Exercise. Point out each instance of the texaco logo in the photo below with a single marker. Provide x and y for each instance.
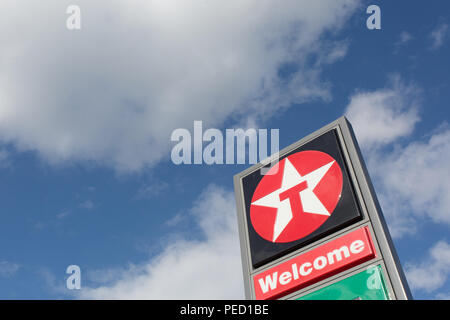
(298, 198)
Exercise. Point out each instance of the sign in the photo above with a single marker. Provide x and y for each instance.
(365, 285)
(314, 265)
(311, 182)
(309, 197)
(313, 220)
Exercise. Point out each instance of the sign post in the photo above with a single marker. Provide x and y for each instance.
(311, 225)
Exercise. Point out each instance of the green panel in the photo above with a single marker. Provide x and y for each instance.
(366, 285)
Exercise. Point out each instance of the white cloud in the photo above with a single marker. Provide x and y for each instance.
(333, 52)
(431, 274)
(185, 269)
(438, 36)
(112, 92)
(403, 39)
(63, 215)
(382, 116)
(52, 282)
(443, 296)
(88, 205)
(4, 159)
(410, 177)
(155, 188)
(415, 180)
(8, 269)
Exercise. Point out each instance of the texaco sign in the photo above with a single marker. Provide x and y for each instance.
(316, 197)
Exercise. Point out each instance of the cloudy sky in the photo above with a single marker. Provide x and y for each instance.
(86, 117)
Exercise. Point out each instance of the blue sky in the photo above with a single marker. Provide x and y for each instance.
(86, 117)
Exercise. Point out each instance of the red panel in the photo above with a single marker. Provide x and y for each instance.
(319, 263)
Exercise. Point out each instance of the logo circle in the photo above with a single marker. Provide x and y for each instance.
(296, 196)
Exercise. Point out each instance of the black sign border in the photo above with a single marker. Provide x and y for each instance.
(342, 216)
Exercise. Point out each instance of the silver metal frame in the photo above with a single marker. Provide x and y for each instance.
(372, 216)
